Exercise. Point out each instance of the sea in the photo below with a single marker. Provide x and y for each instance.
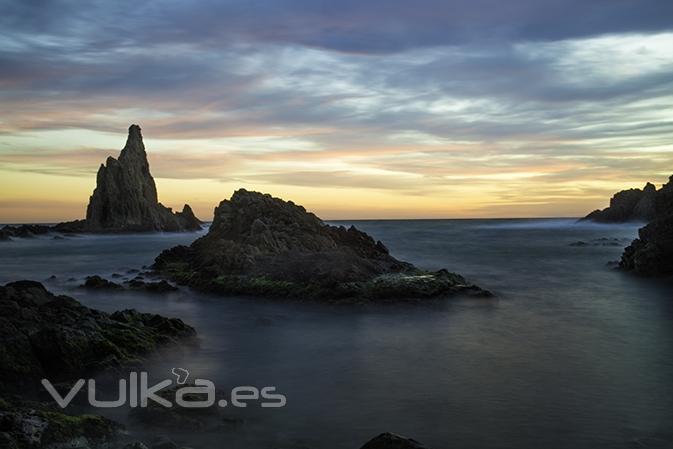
(569, 353)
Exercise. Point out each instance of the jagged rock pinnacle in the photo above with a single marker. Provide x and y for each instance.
(125, 198)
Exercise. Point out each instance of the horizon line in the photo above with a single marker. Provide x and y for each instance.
(46, 223)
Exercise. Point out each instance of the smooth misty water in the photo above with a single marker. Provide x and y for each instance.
(571, 354)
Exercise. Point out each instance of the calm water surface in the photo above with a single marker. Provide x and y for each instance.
(570, 354)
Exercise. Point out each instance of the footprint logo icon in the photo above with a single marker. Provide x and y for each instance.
(181, 375)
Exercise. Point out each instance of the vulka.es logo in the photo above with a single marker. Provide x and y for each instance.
(137, 393)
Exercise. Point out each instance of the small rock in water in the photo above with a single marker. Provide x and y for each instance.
(135, 445)
(163, 442)
(393, 441)
(98, 283)
(152, 287)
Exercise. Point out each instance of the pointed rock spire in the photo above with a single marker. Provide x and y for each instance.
(125, 198)
(134, 148)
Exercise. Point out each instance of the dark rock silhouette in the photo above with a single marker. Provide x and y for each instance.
(651, 254)
(125, 198)
(55, 337)
(628, 205)
(392, 441)
(96, 282)
(23, 231)
(35, 425)
(261, 245)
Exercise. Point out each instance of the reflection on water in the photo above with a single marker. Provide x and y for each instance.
(571, 354)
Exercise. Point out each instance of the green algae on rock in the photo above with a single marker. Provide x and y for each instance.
(263, 246)
(55, 337)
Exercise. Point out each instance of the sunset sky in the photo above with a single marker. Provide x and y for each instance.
(355, 109)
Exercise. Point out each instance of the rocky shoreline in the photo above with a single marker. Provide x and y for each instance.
(259, 245)
(43, 335)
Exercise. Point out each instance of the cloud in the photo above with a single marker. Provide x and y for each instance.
(391, 96)
(373, 26)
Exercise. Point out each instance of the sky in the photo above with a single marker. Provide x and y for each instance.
(355, 109)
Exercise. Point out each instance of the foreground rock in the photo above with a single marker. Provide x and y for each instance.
(37, 426)
(628, 205)
(651, 254)
(55, 337)
(392, 441)
(260, 245)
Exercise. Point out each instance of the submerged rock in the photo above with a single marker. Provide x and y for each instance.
(23, 231)
(392, 441)
(125, 198)
(603, 241)
(651, 254)
(261, 245)
(98, 283)
(162, 286)
(156, 416)
(55, 337)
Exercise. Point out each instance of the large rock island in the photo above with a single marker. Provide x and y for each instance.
(261, 245)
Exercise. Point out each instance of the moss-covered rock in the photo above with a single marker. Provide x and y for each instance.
(34, 425)
(55, 337)
(263, 246)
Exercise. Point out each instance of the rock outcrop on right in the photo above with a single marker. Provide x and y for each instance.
(264, 246)
(651, 254)
(628, 205)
